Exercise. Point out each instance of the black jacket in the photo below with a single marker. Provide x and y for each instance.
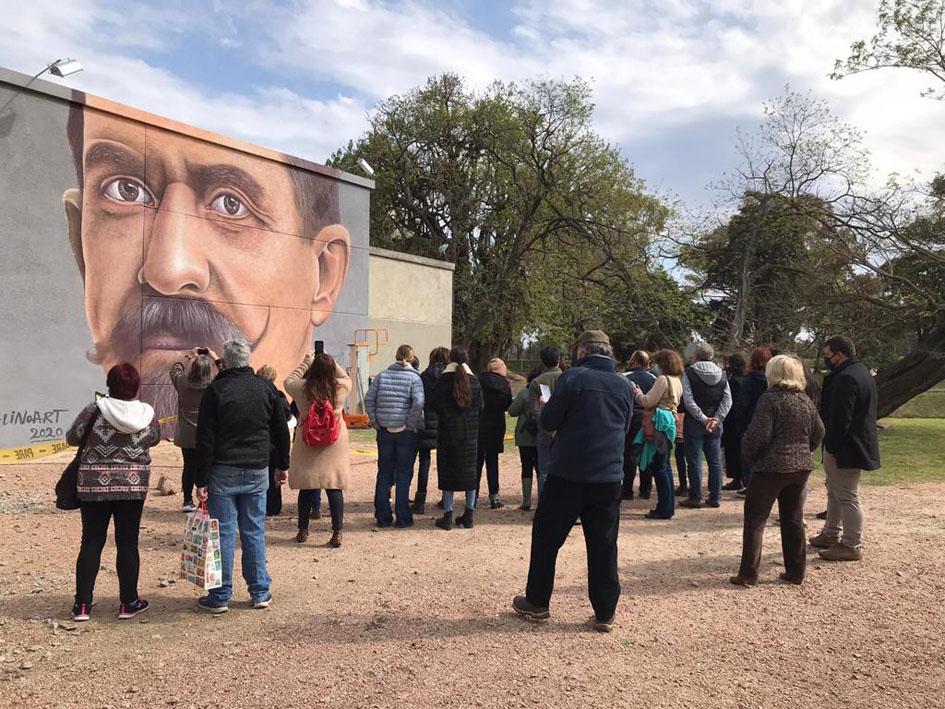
(497, 397)
(645, 380)
(590, 411)
(734, 426)
(427, 437)
(241, 421)
(457, 441)
(848, 408)
(752, 387)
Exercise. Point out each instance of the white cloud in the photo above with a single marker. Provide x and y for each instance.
(659, 70)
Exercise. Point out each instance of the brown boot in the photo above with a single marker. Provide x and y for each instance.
(302, 536)
(739, 580)
(841, 552)
(823, 541)
(335, 540)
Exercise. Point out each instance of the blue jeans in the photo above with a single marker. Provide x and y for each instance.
(448, 500)
(663, 477)
(698, 441)
(237, 498)
(395, 453)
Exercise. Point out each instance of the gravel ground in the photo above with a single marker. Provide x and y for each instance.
(421, 617)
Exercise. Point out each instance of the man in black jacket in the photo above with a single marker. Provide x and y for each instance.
(589, 414)
(848, 409)
(240, 423)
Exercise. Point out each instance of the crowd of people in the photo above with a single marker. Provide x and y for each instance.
(585, 432)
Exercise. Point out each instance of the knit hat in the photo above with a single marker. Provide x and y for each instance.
(593, 337)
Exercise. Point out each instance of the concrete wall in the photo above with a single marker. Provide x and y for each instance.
(412, 299)
(130, 237)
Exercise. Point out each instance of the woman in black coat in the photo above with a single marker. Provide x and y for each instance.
(734, 428)
(426, 439)
(753, 386)
(497, 397)
(457, 400)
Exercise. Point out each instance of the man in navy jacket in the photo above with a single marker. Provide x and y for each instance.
(590, 414)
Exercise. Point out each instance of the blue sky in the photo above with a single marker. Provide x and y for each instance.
(672, 79)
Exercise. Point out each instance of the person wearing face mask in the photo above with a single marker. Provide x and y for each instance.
(848, 409)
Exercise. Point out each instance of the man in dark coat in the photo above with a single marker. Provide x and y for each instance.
(497, 397)
(589, 414)
(848, 409)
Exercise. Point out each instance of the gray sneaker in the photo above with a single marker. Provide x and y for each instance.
(823, 541)
(841, 552)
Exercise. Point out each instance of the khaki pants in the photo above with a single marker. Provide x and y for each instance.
(844, 511)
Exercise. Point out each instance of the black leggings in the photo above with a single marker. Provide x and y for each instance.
(491, 461)
(529, 457)
(95, 518)
(189, 474)
(336, 503)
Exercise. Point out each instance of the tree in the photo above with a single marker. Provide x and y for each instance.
(910, 35)
(492, 181)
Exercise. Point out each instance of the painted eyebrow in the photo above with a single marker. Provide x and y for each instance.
(115, 156)
(207, 177)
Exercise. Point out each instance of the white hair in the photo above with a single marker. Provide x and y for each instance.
(236, 354)
(703, 352)
(599, 348)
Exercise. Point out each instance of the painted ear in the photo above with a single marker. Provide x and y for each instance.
(72, 202)
(334, 244)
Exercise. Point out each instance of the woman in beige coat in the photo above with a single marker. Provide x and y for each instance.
(319, 378)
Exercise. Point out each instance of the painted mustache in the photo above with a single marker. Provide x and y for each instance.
(167, 324)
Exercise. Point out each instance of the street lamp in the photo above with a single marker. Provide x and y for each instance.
(63, 67)
(363, 164)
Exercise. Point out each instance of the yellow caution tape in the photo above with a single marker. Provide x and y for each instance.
(23, 454)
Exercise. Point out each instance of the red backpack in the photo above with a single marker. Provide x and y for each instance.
(320, 427)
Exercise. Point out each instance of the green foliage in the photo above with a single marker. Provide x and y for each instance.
(510, 184)
(910, 34)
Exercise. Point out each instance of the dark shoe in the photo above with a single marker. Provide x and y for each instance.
(496, 503)
(604, 626)
(790, 579)
(841, 552)
(691, 504)
(822, 515)
(734, 485)
(645, 495)
(445, 522)
(742, 492)
(302, 536)
(713, 503)
(81, 612)
(316, 514)
(653, 514)
(739, 580)
(335, 540)
(418, 508)
(130, 610)
(466, 520)
(216, 607)
(627, 495)
(823, 541)
(525, 508)
(521, 606)
(404, 525)
(681, 491)
(262, 602)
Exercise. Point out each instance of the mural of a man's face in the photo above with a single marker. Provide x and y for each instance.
(186, 243)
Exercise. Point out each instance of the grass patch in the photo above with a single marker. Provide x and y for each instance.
(910, 451)
(928, 405)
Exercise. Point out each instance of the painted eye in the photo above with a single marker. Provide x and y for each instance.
(123, 189)
(228, 205)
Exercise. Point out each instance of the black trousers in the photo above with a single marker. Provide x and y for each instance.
(189, 473)
(336, 504)
(529, 457)
(491, 461)
(273, 496)
(95, 519)
(732, 448)
(562, 503)
(789, 490)
(630, 465)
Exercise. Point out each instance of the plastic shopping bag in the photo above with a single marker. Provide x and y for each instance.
(200, 561)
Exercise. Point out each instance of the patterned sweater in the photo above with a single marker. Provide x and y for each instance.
(115, 465)
(783, 432)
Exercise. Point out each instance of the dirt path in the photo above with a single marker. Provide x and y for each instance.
(421, 618)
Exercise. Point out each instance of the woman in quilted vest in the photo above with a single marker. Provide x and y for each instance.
(319, 379)
(114, 474)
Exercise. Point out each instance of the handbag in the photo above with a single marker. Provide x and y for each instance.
(67, 489)
(201, 561)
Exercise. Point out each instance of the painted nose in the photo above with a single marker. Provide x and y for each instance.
(175, 258)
